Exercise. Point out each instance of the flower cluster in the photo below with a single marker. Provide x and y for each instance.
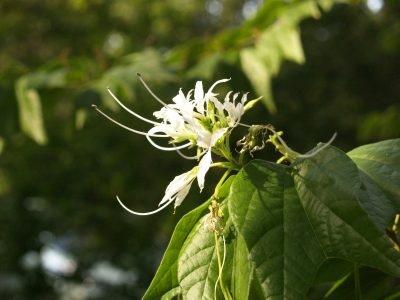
(196, 120)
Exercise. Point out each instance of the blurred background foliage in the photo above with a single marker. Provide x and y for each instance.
(322, 66)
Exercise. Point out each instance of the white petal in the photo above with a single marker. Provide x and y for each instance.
(179, 183)
(204, 166)
(217, 135)
(218, 105)
(227, 96)
(182, 194)
(198, 91)
(203, 138)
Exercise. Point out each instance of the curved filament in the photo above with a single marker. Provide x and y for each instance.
(145, 213)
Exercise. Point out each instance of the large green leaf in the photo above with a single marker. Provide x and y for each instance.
(381, 163)
(294, 219)
(198, 264)
(243, 270)
(266, 211)
(165, 282)
(330, 189)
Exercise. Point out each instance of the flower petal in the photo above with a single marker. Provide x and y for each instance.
(204, 166)
(178, 184)
(182, 194)
(219, 133)
(199, 97)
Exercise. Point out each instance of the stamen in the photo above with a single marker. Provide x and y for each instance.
(149, 90)
(167, 148)
(146, 213)
(126, 127)
(187, 157)
(244, 125)
(130, 111)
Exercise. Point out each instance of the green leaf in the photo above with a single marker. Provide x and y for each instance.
(30, 112)
(329, 188)
(29, 103)
(172, 293)
(243, 270)
(332, 269)
(255, 69)
(166, 279)
(198, 264)
(266, 211)
(375, 202)
(293, 219)
(374, 285)
(2, 143)
(381, 163)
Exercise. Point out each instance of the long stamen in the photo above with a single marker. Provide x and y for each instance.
(167, 148)
(130, 111)
(149, 90)
(146, 213)
(126, 127)
(188, 157)
(244, 125)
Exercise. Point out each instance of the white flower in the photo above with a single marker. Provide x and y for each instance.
(197, 119)
(235, 112)
(177, 190)
(179, 187)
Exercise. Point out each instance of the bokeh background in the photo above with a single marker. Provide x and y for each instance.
(323, 67)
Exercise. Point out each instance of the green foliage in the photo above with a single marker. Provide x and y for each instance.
(258, 47)
(282, 223)
(1, 144)
(30, 107)
(62, 193)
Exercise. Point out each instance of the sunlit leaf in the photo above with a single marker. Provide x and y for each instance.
(29, 102)
(30, 112)
(258, 74)
(166, 278)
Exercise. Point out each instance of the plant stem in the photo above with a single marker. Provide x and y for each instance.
(225, 292)
(223, 164)
(221, 181)
(357, 285)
